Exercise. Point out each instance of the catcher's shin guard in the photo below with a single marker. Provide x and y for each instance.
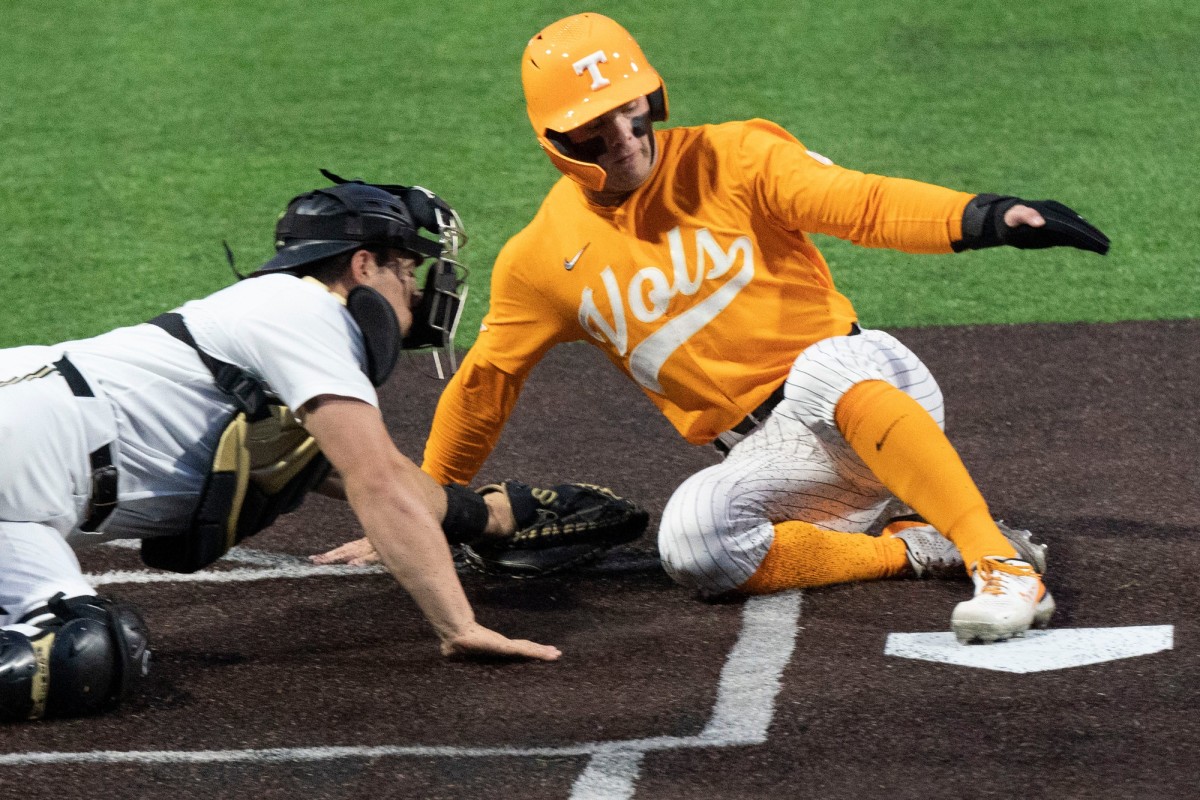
(88, 658)
(18, 668)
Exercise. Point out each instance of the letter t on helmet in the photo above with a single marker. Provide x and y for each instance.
(578, 69)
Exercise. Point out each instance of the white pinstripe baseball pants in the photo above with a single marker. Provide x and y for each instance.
(719, 524)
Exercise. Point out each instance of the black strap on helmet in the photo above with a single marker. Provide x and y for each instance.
(422, 204)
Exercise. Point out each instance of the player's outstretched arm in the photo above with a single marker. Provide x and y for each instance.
(400, 509)
(361, 553)
(990, 220)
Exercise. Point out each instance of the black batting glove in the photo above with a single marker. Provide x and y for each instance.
(983, 226)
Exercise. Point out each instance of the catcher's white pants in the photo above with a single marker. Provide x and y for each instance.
(719, 524)
(46, 433)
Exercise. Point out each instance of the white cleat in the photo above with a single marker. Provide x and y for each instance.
(1010, 598)
(932, 555)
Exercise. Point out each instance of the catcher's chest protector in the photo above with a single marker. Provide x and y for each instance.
(264, 464)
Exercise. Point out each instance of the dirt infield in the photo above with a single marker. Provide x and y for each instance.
(275, 680)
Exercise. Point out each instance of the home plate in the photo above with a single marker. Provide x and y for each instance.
(1039, 651)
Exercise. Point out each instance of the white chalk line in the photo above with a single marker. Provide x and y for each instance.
(609, 776)
(750, 682)
(746, 692)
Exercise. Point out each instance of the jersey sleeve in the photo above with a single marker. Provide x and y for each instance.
(807, 192)
(305, 368)
(521, 325)
(302, 348)
(469, 418)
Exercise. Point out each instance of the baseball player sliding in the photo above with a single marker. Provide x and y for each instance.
(684, 255)
(181, 433)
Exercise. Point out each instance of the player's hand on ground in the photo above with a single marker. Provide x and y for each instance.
(358, 553)
(478, 642)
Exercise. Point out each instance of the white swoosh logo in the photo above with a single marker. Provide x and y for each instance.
(647, 359)
(569, 263)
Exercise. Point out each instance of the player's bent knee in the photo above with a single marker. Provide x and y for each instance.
(821, 375)
(699, 545)
(89, 658)
(63, 671)
(687, 560)
(704, 576)
(676, 553)
(682, 571)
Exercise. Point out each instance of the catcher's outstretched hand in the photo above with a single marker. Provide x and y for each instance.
(358, 553)
(478, 642)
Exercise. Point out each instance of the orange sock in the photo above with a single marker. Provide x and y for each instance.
(912, 457)
(803, 556)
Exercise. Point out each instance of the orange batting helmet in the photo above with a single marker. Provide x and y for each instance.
(577, 69)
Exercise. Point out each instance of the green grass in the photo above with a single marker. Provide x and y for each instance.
(135, 136)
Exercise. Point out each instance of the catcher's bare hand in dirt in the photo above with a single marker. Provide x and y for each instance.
(356, 553)
(479, 642)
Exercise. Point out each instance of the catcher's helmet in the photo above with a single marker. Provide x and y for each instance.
(575, 70)
(352, 215)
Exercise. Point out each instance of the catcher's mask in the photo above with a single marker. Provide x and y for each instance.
(576, 70)
(353, 215)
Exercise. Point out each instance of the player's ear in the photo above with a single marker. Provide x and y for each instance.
(362, 267)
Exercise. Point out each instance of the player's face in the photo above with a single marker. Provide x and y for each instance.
(396, 280)
(629, 153)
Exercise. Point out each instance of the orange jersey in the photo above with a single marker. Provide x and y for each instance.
(702, 286)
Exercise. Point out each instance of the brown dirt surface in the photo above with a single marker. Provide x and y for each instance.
(330, 686)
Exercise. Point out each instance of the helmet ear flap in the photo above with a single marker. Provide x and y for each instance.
(658, 103)
(589, 150)
(585, 173)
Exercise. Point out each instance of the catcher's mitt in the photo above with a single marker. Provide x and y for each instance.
(559, 528)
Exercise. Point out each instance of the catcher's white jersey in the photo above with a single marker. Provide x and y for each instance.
(719, 524)
(157, 406)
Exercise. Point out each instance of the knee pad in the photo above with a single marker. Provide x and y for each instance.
(66, 670)
(127, 632)
(87, 659)
(18, 669)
